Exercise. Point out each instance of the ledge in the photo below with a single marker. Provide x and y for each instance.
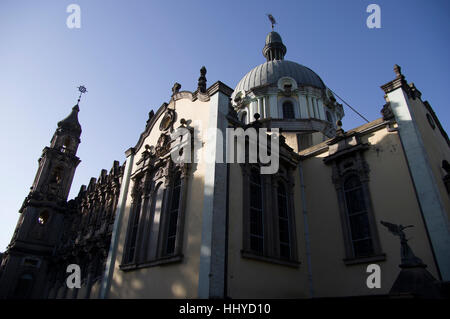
(273, 260)
(364, 260)
(156, 262)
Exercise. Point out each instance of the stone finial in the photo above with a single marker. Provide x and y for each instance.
(82, 190)
(176, 88)
(202, 80)
(150, 116)
(398, 70)
(386, 111)
(339, 130)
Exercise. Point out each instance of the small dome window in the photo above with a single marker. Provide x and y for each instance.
(288, 110)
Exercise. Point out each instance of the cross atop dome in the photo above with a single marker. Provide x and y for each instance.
(272, 20)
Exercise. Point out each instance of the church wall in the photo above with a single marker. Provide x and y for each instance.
(393, 199)
(421, 159)
(435, 146)
(177, 280)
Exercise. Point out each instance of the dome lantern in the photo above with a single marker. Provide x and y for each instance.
(274, 48)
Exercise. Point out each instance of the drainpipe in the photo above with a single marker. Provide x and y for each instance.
(306, 230)
(110, 261)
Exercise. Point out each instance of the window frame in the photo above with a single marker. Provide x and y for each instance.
(350, 214)
(156, 179)
(269, 183)
(346, 163)
(288, 102)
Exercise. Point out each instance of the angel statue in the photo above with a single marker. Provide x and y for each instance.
(407, 256)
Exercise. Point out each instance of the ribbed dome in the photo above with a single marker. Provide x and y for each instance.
(270, 72)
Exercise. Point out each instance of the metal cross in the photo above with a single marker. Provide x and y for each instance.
(82, 90)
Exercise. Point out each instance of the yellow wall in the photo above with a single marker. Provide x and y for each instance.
(393, 200)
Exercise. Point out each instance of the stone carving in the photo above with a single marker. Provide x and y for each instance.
(168, 120)
(151, 114)
(202, 80)
(387, 113)
(176, 88)
(163, 145)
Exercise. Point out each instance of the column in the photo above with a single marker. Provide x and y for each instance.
(321, 110)
(121, 206)
(273, 106)
(303, 106)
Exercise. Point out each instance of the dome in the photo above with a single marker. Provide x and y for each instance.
(270, 72)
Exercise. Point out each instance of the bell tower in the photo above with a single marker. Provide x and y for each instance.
(38, 230)
(58, 162)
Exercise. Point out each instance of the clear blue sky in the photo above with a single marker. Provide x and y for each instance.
(129, 53)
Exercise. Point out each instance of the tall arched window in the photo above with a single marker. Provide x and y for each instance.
(173, 215)
(357, 215)
(256, 213)
(288, 110)
(156, 209)
(134, 229)
(283, 222)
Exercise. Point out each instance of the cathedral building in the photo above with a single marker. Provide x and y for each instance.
(339, 204)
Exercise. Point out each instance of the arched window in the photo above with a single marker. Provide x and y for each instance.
(256, 213)
(288, 110)
(173, 215)
(357, 215)
(134, 228)
(283, 222)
